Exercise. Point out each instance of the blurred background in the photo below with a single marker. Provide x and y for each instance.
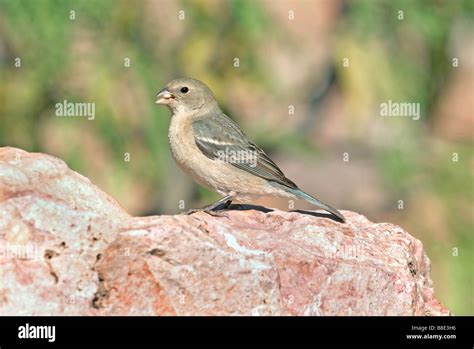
(305, 80)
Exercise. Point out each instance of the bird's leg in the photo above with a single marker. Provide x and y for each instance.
(227, 204)
(212, 208)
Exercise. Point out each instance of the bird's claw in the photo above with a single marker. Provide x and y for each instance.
(209, 212)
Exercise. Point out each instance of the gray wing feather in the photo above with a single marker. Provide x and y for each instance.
(219, 134)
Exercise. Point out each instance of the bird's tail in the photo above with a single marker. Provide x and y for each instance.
(301, 194)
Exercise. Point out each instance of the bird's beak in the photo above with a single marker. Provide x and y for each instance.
(164, 97)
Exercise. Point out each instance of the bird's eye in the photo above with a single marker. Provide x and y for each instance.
(184, 89)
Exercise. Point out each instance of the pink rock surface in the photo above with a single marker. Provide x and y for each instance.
(67, 248)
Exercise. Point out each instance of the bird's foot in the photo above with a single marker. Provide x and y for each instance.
(220, 213)
(216, 209)
(237, 207)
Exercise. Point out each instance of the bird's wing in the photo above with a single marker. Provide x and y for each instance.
(220, 138)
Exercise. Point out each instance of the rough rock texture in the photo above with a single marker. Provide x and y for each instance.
(66, 248)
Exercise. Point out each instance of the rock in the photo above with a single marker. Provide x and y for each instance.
(66, 248)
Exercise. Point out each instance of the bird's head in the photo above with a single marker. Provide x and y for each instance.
(186, 96)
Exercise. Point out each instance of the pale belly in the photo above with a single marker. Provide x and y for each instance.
(221, 177)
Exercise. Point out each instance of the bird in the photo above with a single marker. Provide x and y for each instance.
(213, 150)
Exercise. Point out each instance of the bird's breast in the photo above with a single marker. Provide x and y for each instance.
(185, 151)
(181, 140)
(215, 175)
